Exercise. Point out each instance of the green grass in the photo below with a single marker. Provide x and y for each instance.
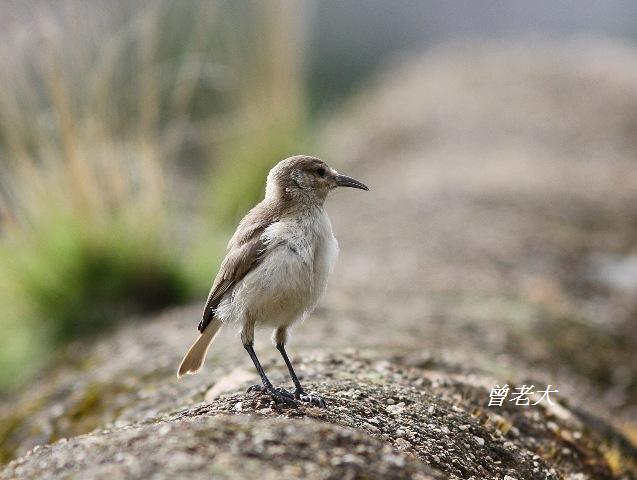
(64, 280)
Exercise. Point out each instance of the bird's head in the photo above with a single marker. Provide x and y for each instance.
(306, 179)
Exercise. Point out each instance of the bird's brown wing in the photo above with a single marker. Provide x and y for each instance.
(245, 251)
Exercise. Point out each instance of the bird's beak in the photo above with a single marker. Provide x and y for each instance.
(345, 181)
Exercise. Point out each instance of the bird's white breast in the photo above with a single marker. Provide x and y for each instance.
(285, 287)
(325, 253)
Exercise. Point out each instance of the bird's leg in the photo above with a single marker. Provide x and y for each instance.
(247, 338)
(279, 395)
(299, 393)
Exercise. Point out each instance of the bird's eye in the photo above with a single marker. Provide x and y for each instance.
(320, 171)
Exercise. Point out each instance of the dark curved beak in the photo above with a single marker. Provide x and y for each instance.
(345, 181)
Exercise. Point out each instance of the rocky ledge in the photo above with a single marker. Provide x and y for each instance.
(402, 417)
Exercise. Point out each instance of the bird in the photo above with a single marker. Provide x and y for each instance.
(275, 269)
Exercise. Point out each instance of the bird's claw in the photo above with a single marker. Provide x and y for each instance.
(261, 388)
(255, 388)
(314, 400)
(279, 395)
(282, 396)
(285, 393)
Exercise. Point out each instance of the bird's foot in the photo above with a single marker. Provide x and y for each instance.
(279, 395)
(314, 400)
(261, 388)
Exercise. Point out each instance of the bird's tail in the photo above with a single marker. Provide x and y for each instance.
(196, 355)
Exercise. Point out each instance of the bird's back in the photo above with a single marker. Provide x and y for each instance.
(245, 250)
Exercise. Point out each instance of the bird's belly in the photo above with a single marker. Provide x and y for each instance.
(279, 290)
(288, 283)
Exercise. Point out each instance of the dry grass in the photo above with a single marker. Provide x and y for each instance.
(100, 109)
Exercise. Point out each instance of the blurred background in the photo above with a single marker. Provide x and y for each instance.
(134, 135)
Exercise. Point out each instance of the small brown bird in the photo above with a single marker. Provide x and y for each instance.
(276, 267)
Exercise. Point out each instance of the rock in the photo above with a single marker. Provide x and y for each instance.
(216, 437)
(222, 447)
(228, 383)
(615, 272)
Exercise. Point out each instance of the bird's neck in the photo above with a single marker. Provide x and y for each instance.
(297, 200)
(285, 208)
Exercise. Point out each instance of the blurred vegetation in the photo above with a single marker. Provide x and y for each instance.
(110, 117)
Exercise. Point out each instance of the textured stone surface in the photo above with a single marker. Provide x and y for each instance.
(221, 447)
(390, 418)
